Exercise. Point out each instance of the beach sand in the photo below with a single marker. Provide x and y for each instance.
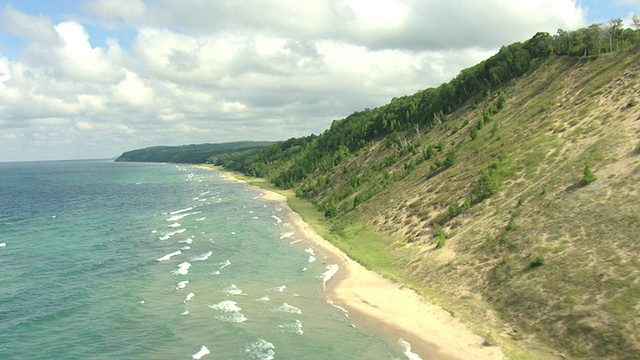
(385, 308)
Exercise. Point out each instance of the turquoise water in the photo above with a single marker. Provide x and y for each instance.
(104, 260)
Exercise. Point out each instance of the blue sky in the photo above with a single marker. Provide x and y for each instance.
(93, 78)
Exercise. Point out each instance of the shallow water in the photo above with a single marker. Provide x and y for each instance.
(109, 260)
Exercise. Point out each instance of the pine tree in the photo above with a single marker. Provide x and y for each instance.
(588, 176)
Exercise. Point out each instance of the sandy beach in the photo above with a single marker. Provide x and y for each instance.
(410, 324)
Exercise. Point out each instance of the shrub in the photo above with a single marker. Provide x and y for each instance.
(537, 261)
(587, 177)
(512, 222)
(450, 159)
(331, 212)
(440, 241)
(487, 186)
(454, 209)
(473, 133)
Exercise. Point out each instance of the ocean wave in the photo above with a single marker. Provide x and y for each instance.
(264, 299)
(182, 284)
(279, 288)
(311, 258)
(174, 225)
(346, 313)
(189, 297)
(202, 257)
(3, 244)
(260, 350)
(288, 309)
(294, 327)
(169, 256)
(233, 290)
(187, 241)
(327, 275)
(180, 211)
(203, 351)
(310, 251)
(407, 350)
(183, 269)
(277, 219)
(202, 218)
(230, 311)
(168, 235)
(182, 216)
(287, 235)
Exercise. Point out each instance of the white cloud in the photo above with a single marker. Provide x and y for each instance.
(114, 11)
(209, 71)
(133, 91)
(35, 28)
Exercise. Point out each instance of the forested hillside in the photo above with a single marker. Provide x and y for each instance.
(189, 154)
(509, 194)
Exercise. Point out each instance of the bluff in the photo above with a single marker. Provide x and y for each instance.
(509, 195)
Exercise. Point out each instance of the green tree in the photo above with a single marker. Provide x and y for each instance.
(588, 176)
(454, 209)
(473, 133)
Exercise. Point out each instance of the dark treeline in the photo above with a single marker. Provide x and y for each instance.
(287, 163)
(189, 154)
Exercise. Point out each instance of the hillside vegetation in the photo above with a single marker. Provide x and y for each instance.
(510, 195)
(189, 154)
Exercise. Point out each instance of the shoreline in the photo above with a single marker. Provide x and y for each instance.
(378, 305)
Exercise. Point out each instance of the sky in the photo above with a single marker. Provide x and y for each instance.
(88, 79)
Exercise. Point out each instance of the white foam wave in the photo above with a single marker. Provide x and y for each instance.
(279, 288)
(294, 327)
(310, 251)
(312, 258)
(182, 216)
(203, 351)
(168, 235)
(331, 270)
(264, 299)
(295, 241)
(182, 284)
(233, 290)
(3, 244)
(174, 225)
(205, 193)
(202, 257)
(407, 350)
(338, 307)
(189, 297)
(169, 256)
(183, 269)
(286, 235)
(277, 219)
(260, 350)
(226, 306)
(154, 231)
(202, 218)
(187, 241)
(180, 211)
(186, 312)
(288, 309)
(185, 247)
(230, 310)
